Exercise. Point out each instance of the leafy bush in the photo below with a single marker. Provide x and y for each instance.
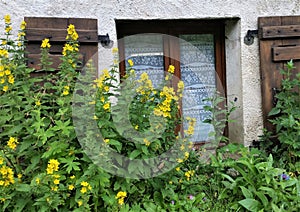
(285, 144)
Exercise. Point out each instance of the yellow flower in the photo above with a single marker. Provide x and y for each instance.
(23, 25)
(80, 203)
(20, 176)
(83, 190)
(12, 143)
(186, 155)
(45, 43)
(7, 19)
(53, 165)
(136, 127)
(106, 141)
(2, 199)
(71, 187)
(55, 188)
(1, 160)
(177, 169)
(3, 52)
(37, 180)
(65, 92)
(7, 176)
(83, 183)
(106, 106)
(4, 42)
(147, 143)
(115, 50)
(7, 72)
(72, 177)
(106, 88)
(38, 103)
(11, 79)
(130, 62)
(171, 69)
(8, 29)
(120, 196)
(179, 160)
(56, 181)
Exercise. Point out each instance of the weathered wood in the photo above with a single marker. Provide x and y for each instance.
(276, 48)
(286, 53)
(59, 35)
(55, 29)
(270, 76)
(280, 31)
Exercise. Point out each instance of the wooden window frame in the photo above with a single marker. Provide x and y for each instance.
(171, 46)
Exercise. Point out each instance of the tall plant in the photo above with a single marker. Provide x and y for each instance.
(287, 118)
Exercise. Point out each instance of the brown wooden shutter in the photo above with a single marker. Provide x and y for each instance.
(55, 29)
(279, 42)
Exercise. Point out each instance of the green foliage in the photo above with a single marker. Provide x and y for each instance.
(285, 144)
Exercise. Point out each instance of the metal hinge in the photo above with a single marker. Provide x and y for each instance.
(249, 37)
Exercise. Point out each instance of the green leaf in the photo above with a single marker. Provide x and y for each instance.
(134, 154)
(23, 187)
(274, 111)
(247, 194)
(250, 204)
(263, 198)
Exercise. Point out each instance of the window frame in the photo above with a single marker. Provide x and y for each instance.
(171, 46)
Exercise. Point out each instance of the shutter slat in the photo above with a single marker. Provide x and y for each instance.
(59, 35)
(280, 31)
(286, 53)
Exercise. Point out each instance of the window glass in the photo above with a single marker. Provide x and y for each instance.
(197, 65)
(146, 52)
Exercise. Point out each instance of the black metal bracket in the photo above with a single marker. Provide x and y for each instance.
(249, 38)
(105, 41)
(275, 91)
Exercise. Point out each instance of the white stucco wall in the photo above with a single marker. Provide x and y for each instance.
(242, 60)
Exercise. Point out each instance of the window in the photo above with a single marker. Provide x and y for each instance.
(154, 45)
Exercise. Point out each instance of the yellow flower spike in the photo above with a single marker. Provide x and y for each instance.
(45, 44)
(23, 25)
(12, 143)
(53, 165)
(7, 19)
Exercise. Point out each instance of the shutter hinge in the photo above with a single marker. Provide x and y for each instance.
(249, 38)
(105, 41)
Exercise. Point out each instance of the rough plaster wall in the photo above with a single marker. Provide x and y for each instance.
(106, 11)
